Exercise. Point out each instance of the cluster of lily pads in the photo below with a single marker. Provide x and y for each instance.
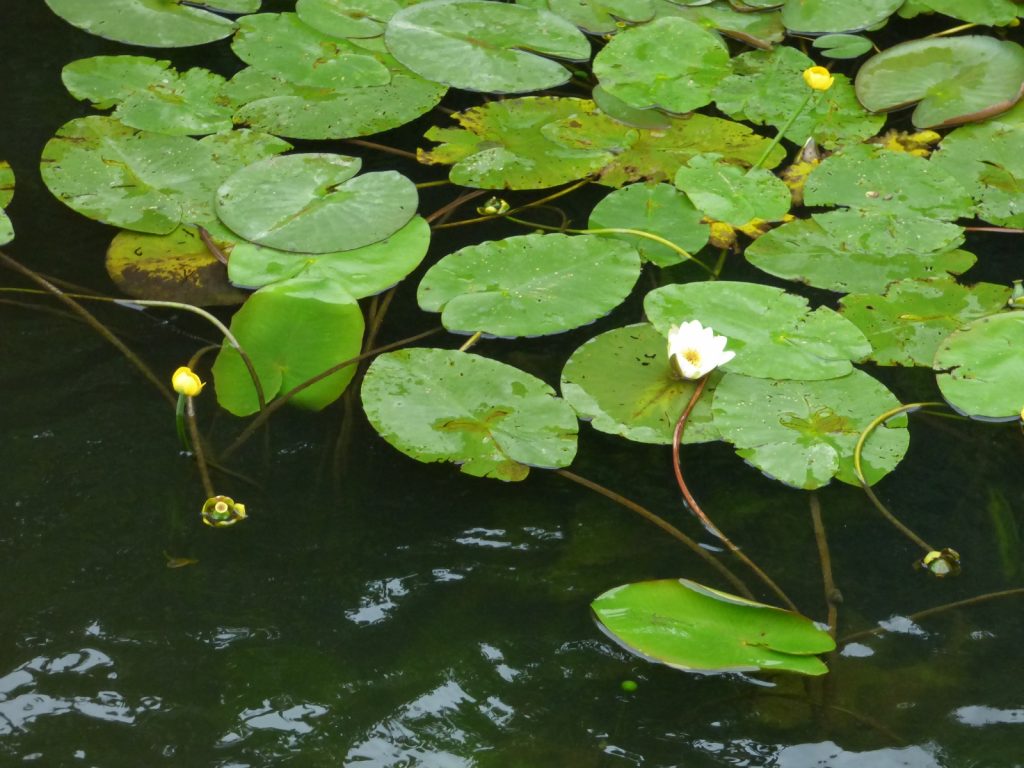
(192, 167)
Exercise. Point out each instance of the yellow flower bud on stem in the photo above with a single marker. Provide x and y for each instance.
(819, 80)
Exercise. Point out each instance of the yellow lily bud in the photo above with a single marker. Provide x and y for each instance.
(186, 382)
(818, 78)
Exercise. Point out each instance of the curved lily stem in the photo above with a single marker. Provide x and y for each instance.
(666, 526)
(858, 469)
(620, 231)
(471, 341)
(211, 246)
(694, 507)
(534, 204)
(998, 230)
(281, 401)
(976, 600)
(445, 210)
(93, 323)
(833, 597)
(431, 184)
(382, 148)
(782, 132)
(950, 31)
(197, 448)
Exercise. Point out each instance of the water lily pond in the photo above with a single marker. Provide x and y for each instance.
(475, 383)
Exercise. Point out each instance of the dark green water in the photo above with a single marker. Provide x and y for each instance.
(376, 612)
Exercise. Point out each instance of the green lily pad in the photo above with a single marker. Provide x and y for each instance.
(773, 333)
(981, 367)
(759, 30)
(484, 46)
(173, 267)
(281, 45)
(817, 17)
(277, 106)
(954, 79)
(490, 418)
(993, 12)
(532, 285)
(362, 271)
(310, 203)
(621, 112)
(603, 17)
(726, 192)
(347, 18)
(767, 87)
(842, 46)
(670, 63)
(898, 183)
(803, 433)
(151, 23)
(292, 331)
(692, 627)
(144, 181)
(860, 251)
(150, 95)
(659, 209)
(622, 380)
(906, 324)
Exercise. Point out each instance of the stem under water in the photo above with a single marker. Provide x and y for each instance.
(833, 597)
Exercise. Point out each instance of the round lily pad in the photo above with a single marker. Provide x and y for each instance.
(532, 285)
(842, 46)
(603, 17)
(347, 18)
(478, 45)
(981, 367)
(490, 418)
(361, 271)
(659, 209)
(775, 334)
(817, 17)
(292, 331)
(953, 80)
(803, 433)
(727, 192)
(151, 23)
(623, 382)
(310, 203)
(691, 627)
(670, 63)
(993, 12)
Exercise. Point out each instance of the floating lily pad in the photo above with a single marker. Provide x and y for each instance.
(759, 30)
(817, 17)
(994, 12)
(310, 203)
(767, 87)
(898, 183)
(347, 18)
(151, 23)
(981, 367)
(621, 112)
(150, 95)
(490, 418)
(532, 285)
(173, 267)
(726, 192)
(842, 46)
(622, 380)
(906, 324)
(692, 627)
(292, 331)
(803, 433)
(954, 79)
(670, 63)
(484, 46)
(144, 181)
(281, 45)
(860, 251)
(602, 17)
(659, 209)
(774, 334)
(277, 106)
(362, 271)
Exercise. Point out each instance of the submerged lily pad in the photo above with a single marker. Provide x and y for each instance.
(803, 433)
(152, 23)
(816, 17)
(906, 324)
(292, 331)
(860, 251)
(774, 334)
(531, 285)
(490, 418)
(484, 46)
(362, 271)
(726, 192)
(670, 63)
(310, 203)
(954, 79)
(659, 209)
(692, 627)
(981, 367)
(622, 380)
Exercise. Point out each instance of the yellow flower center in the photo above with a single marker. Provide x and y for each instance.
(692, 356)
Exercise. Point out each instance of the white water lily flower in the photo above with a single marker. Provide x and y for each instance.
(695, 350)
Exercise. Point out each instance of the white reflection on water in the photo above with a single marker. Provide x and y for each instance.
(825, 754)
(977, 715)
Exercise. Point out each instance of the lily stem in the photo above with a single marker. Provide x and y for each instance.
(833, 597)
(782, 132)
(534, 204)
(471, 341)
(197, 448)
